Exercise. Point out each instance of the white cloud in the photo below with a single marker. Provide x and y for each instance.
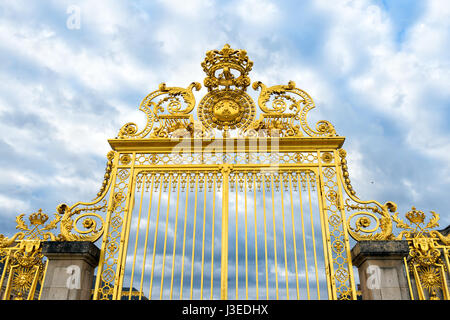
(122, 51)
(396, 82)
(8, 204)
(258, 12)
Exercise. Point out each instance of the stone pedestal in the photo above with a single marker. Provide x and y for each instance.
(381, 269)
(70, 270)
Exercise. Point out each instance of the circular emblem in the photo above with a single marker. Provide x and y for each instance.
(226, 109)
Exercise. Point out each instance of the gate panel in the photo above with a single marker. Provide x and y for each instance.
(174, 247)
(228, 205)
(340, 267)
(109, 272)
(217, 230)
(276, 241)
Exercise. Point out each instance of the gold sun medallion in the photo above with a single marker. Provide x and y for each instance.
(226, 110)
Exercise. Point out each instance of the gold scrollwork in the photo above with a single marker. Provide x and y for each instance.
(21, 255)
(375, 216)
(426, 261)
(91, 221)
(276, 116)
(107, 176)
(345, 174)
(171, 103)
(36, 230)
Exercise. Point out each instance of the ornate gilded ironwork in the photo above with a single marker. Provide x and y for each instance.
(238, 162)
(226, 110)
(226, 61)
(171, 112)
(288, 105)
(21, 257)
(368, 220)
(226, 106)
(428, 259)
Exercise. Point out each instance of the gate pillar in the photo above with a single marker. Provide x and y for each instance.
(381, 269)
(70, 270)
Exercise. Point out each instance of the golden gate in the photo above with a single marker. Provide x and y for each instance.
(226, 206)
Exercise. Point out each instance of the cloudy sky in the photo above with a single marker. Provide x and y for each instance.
(378, 70)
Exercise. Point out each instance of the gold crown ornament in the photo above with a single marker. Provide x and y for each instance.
(415, 216)
(38, 218)
(218, 66)
(226, 106)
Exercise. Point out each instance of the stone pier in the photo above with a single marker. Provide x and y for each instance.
(381, 269)
(70, 270)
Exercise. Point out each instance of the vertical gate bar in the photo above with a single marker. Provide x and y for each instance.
(325, 237)
(117, 293)
(212, 235)
(106, 227)
(7, 292)
(184, 235)
(175, 236)
(332, 285)
(256, 235)
(418, 284)
(236, 226)
(246, 244)
(265, 234)
(446, 255)
(313, 236)
(161, 177)
(444, 282)
(146, 237)
(137, 237)
(5, 268)
(33, 283)
(409, 278)
(43, 280)
(344, 227)
(445, 289)
(293, 234)
(193, 234)
(303, 234)
(274, 235)
(284, 235)
(165, 237)
(203, 238)
(224, 248)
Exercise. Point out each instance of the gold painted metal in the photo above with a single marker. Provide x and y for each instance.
(293, 233)
(212, 237)
(175, 237)
(136, 241)
(203, 241)
(274, 236)
(193, 236)
(226, 147)
(236, 237)
(428, 256)
(184, 240)
(246, 243)
(154, 241)
(303, 235)
(146, 237)
(265, 237)
(256, 237)
(225, 170)
(165, 239)
(21, 256)
(313, 236)
(284, 239)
